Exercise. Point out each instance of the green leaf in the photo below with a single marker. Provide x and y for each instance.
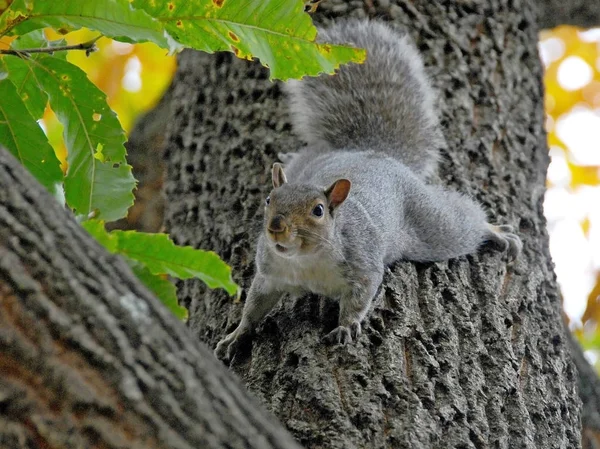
(102, 185)
(590, 342)
(20, 73)
(278, 32)
(101, 189)
(98, 231)
(162, 256)
(37, 39)
(24, 138)
(158, 284)
(161, 287)
(113, 18)
(10, 17)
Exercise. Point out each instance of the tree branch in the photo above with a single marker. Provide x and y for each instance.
(89, 358)
(89, 47)
(583, 13)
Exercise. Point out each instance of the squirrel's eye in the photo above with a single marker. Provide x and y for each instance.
(268, 200)
(318, 210)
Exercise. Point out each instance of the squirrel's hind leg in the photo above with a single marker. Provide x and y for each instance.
(506, 239)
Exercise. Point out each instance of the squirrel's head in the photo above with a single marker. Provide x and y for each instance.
(299, 218)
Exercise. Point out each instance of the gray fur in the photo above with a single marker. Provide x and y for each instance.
(374, 125)
(389, 108)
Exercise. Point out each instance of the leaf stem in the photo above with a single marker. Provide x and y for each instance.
(89, 47)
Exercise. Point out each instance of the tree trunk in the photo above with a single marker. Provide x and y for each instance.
(581, 13)
(144, 146)
(463, 354)
(89, 358)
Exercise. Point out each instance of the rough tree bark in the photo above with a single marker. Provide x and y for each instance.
(468, 353)
(582, 13)
(589, 392)
(89, 358)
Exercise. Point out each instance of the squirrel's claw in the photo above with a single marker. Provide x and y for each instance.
(508, 242)
(343, 335)
(506, 228)
(515, 246)
(340, 335)
(227, 347)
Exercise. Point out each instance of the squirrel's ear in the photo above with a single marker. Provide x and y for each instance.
(338, 192)
(278, 175)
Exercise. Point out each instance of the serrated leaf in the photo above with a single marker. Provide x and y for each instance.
(113, 18)
(34, 98)
(91, 185)
(98, 231)
(10, 18)
(162, 256)
(20, 73)
(24, 138)
(37, 39)
(4, 4)
(277, 32)
(161, 287)
(103, 189)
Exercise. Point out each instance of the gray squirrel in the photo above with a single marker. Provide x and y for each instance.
(356, 198)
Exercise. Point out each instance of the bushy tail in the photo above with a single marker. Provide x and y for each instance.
(385, 104)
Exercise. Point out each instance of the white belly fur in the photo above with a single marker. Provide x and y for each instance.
(318, 274)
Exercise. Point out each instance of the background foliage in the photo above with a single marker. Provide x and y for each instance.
(133, 77)
(572, 60)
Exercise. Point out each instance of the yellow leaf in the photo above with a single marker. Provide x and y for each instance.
(585, 226)
(112, 67)
(54, 131)
(592, 311)
(584, 175)
(5, 41)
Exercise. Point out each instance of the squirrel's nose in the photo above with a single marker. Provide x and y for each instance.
(277, 224)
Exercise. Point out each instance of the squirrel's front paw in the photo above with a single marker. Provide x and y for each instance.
(344, 335)
(227, 347)
(506, 239)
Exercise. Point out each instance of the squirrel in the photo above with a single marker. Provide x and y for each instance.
(356, 198)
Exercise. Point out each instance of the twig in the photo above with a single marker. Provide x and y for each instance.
(89, 47)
